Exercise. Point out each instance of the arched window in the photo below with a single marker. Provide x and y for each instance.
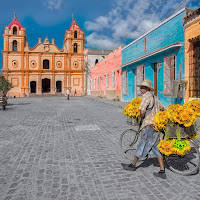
(75, 48)
(96, 61)
(14, 30)
(45, 64)
(75, 34)
(14, 45)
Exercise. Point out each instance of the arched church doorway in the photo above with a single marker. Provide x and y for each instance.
(58, 86)
(46, 83)
(33, 86)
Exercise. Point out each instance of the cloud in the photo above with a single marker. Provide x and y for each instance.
(53, 4)
(129, 19)
(95, 40)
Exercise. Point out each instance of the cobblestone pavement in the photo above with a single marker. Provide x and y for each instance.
(52, 148)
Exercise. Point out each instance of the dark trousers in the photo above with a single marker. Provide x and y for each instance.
(68, 97)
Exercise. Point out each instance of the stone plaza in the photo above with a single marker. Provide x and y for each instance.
(52, 148)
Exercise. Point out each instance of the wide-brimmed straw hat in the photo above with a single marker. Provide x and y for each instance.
(146, 83)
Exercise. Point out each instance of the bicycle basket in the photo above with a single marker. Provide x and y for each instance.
(184, 131)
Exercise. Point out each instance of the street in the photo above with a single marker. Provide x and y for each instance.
(52, 148)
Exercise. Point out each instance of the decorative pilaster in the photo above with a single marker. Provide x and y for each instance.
(39, 61)
(27, 84)
(69, 80)
(53, 61)
(22, 61)
(53, 84)
(65, 84)
(22, 84)
(69, 62)
(27, 61)
(39, 85)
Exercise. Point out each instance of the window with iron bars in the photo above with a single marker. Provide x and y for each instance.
(194, 70)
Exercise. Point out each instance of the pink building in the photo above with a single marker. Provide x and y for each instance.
(106, 78)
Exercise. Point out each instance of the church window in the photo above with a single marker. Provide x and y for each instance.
(96, 61)
(75, 34)
(45, 64)
(14, 30)
(75, 48)
(14, 45)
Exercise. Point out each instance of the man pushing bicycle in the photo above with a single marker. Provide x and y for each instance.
(149, 106)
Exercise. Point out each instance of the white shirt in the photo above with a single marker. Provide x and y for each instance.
(67, 91)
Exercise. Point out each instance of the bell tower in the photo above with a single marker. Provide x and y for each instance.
(14, 39)
(74, 38)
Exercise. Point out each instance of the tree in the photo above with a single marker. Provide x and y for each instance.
(5, 85)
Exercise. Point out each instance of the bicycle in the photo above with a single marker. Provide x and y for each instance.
(184, 165)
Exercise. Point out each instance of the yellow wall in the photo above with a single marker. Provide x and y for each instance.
(192, 30)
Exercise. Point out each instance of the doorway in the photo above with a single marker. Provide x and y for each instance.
(46, 85)
(33, 86)
(58, 86)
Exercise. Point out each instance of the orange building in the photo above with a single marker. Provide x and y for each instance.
(192, 53)
(44, 68)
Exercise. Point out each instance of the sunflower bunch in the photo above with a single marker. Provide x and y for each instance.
(194, 105)
(174, 146)
(161, 120)
(165, 147)
(173, 111)
(132, 109)
(181, 114)
(194, 136)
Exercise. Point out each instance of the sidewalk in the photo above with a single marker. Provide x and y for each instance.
(108, 101)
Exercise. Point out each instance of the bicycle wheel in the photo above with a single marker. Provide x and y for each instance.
(128, 143)
(185, 165)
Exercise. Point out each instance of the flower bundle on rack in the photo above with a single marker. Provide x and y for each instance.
(181, 118)
(132, 109)
(174, 146)
(185, 115)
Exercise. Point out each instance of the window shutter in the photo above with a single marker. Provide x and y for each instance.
(91, 84)
(113, 79)
(98, 82)
(106, 79)
(139, 77)
(124, 82)
(169, 74)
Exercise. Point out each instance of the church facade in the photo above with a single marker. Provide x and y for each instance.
(43, 69)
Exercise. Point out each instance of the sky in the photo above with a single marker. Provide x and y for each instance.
(107, 23)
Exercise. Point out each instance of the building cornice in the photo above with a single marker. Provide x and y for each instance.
(172, 46)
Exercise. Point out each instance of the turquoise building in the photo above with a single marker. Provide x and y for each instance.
(157, 55)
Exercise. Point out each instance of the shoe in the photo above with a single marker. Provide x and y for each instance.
(129, 167)
(160, 175)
